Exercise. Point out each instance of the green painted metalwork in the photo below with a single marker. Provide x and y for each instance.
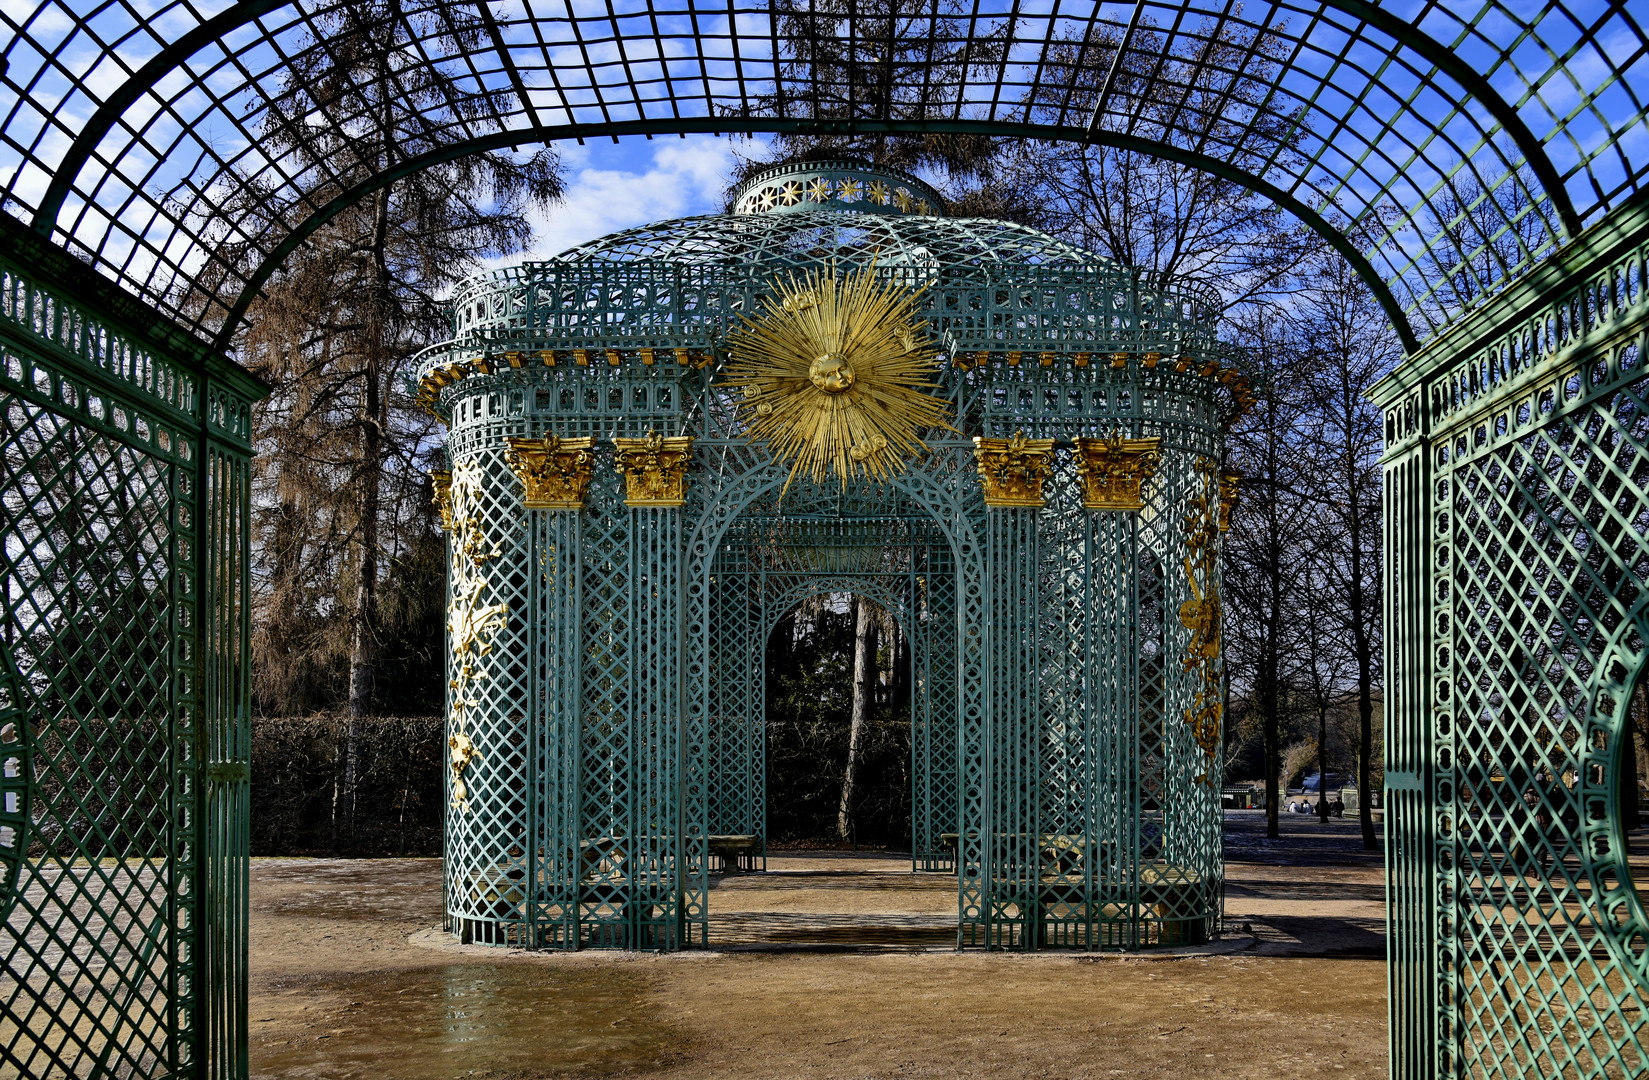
(883, 547)
(1452, 153)
(123, 503)
(1048, 712)
(1517, 475)
(1445, 149)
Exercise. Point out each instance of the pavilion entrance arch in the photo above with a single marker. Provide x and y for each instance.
(894, 553)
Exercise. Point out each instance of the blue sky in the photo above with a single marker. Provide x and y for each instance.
(612, 187)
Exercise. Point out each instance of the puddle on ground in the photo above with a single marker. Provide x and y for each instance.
(502, 1022)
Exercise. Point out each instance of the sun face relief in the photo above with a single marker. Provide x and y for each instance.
(835, 373)
(831, 373)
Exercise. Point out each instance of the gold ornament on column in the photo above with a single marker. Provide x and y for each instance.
(1012, 471)
(654, 468)
(834, 374)
(554, 472)
(1230, 489)
(472, 623)
(1114, 470)
(1202, 615)
(441, 480)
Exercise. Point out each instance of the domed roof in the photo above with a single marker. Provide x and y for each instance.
(848, 238)
(841, 212)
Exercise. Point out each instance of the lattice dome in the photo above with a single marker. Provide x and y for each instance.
(989, 288)
(849, 237)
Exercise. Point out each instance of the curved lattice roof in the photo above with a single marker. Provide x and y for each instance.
(846, 236)
(1444, 146)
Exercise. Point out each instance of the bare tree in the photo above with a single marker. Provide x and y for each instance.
(1266, 556)
(1148, 211)
(339, 490)
(1349, 346)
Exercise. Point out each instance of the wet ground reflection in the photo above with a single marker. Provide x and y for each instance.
(456, 1020)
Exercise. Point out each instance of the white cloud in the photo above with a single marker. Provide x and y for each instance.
(682, 177)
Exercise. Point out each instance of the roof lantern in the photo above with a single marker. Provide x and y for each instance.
(842, 184)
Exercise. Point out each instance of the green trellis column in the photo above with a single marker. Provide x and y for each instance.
(1012, 472)
(654, 472)
(555, 740)
(1411, 716)
(1110, 687)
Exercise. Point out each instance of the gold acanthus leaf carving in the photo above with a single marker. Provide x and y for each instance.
(1012, 471)
(654, 468)
(1114, 470)
(1201, 615)
(554, 472)
(441, 481)
(472, 623)
(834, 374)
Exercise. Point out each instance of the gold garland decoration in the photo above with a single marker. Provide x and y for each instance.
(834, 373)
(1202, 616)
(471, 622)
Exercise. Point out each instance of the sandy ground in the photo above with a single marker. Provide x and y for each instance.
(348, 980)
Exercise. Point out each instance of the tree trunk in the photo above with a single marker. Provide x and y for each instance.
(864, 686)
(1362, 642)
(364, 615)
(1271, 708)
(1273, 764)
(1322, 761)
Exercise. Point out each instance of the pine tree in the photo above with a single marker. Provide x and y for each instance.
(340, 492)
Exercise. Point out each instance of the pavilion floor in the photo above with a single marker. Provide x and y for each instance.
(349, 980)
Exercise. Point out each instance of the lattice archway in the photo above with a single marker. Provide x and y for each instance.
(1482, 169)
(1444, 151)
(753, 590)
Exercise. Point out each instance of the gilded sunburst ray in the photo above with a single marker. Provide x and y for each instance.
(834, 373)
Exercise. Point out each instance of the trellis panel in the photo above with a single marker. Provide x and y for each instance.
(123, 622)
(1516, 555)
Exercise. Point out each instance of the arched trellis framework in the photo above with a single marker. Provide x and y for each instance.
(1447, 150)
(768, 564)
(1444, 149)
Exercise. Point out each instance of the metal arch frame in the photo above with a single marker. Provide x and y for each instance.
(865, 583)
(102, 121)
(1443, 265)
(711, 126)
(1478, 87)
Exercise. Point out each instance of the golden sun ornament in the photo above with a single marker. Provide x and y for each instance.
(834, 373)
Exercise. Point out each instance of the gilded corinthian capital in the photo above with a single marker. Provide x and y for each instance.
(1114, 471)
(1012, 471)
(554, 472)
(654, 468)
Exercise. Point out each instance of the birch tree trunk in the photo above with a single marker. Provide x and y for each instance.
(864, 689)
